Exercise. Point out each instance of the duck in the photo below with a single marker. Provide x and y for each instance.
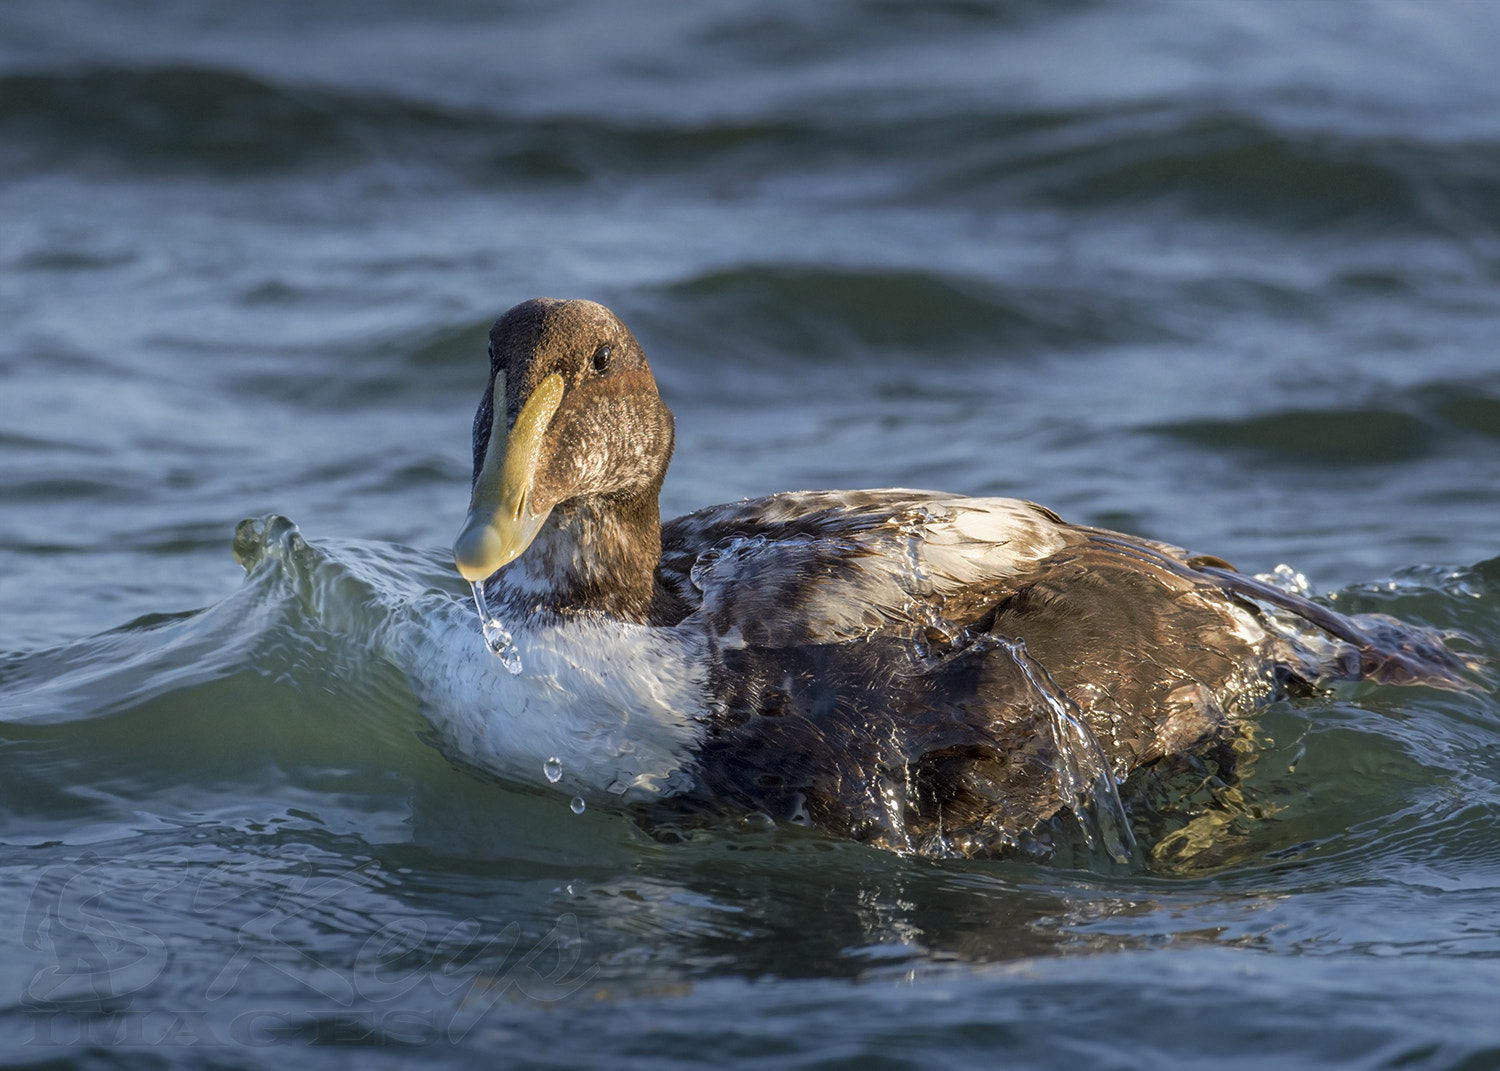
(924, 672)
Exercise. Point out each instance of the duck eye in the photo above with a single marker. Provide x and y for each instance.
(600, 360)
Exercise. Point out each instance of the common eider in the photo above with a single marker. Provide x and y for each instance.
(919, 671)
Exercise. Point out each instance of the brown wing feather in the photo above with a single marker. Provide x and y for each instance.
(906, 724)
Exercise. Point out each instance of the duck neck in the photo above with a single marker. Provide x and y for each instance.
(595, 554)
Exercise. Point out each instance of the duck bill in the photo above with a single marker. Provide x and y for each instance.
(503, 519)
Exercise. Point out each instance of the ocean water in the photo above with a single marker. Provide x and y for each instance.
(1225, 274)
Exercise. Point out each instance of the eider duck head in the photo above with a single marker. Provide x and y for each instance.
(571, 444)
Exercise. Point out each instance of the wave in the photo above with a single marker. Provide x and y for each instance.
(1428, 421)
(1224, 163)
(1189, 157)
(826, 311)
(161, 118)
(227, 122)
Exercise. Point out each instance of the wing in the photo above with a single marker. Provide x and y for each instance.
(891, 665)
(817, 566)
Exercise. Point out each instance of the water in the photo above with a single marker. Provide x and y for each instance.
(1221, 274)
(496, 636)
(1084, 778)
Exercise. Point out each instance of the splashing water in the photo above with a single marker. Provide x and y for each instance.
(553, 769)
(496, 636)
(1083, 776)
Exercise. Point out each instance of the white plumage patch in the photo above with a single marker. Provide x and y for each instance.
(619, 706)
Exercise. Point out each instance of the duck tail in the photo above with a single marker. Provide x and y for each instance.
(1375, 647)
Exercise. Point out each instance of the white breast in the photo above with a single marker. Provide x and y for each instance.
(618, 707)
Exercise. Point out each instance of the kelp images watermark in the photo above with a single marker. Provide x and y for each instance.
(248, 956)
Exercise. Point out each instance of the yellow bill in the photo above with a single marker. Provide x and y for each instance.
(502, 521)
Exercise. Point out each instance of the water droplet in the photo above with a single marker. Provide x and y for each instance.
(553, 769)
(496, 636)
(577, 805)
(1082, 774)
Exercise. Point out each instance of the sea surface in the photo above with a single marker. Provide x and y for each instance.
(1225, 274)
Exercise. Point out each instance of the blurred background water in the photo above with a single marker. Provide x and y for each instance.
(1226, 274)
